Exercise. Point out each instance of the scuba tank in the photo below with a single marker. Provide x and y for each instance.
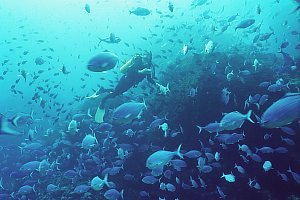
(128, 64)
(136, 59)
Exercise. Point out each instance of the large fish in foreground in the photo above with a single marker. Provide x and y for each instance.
(103, 61)
(21, 119)
(125, 113)
(282, 112)
(4, 129)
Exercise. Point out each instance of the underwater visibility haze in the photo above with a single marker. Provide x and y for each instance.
(150, 99)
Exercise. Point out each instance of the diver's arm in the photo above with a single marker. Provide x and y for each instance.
(145, 71)
(150, 79)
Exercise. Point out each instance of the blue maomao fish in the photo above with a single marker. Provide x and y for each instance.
(113, 194)
(221, 193)
(232, 18)
(239, 168)
(295, 175)
(139, 11)
(213, 127)
(265, 36)
(25, 190)
(225, 96)
(81, 189)
(229, 177)
(51, 188)
(159, 159)
(228, 138)
(245, 23)
(254, 184)
(234, 120)
(98, 183)
(193, 154)
(126, 112)
(157, 122)
(30, 166)
(89, 141)
(87, 8)
(149, 180)
(282, 112)
(283, 176)
(288, 63)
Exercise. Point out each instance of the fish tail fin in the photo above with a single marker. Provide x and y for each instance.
(246, 104)
(21, 149)
(288, 84)
(1, 183)
(31, 174)
(168, 89)
(257, 105)
(256, 150)
(33, 188)
(13, 121)
(12, 195)
(200, 129)
(100, 40)
(223, 175)
(105, 180)
(122, 193)
(178, 152)
(89, 113)
(248, 116)
(278, 172)
(144, 103)
(31, 114)
(166, 116)
(257, 118)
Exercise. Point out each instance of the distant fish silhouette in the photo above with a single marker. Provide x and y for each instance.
(288, 62)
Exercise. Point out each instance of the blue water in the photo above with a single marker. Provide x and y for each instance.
(63, 33)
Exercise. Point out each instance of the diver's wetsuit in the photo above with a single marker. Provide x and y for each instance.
(130, 79)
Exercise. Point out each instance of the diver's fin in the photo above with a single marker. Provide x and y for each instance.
(99, 115)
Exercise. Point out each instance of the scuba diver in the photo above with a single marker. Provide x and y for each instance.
(135, 70)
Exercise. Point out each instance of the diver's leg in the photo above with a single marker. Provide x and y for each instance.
(104, 99)
(124, 84)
